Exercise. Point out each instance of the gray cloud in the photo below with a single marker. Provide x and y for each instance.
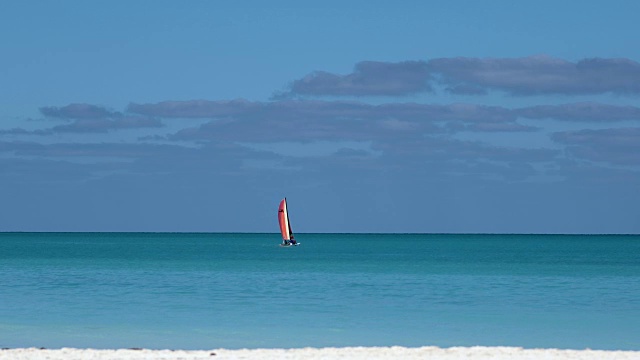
(85, 126)
(20, 171)
(391, 128)
(617, 146)
(401, 133)
(388, 137)
(291, 110)
(401, 130)
(87, 161)
(308, 120)
(534, 75)
(105, 125)
(67, 150)
(367, 78)
(21, 131)
(497, 127)
(466, 90)
(196, 108)
(582, 111)
(541, 75)
(87, 118)
(77, 111)
(577, 170)
(433, 148)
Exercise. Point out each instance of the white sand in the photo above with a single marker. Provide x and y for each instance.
(396, 352)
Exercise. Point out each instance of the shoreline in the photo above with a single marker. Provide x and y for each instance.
(393, 352)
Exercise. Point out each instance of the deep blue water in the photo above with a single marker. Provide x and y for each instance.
(203, 291)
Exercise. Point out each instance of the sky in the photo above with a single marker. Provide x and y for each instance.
(369, 116)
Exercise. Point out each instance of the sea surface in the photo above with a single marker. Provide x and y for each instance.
(206, 291)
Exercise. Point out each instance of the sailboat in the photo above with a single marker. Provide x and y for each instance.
(285, 225)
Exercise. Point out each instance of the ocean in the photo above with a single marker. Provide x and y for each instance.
(238, 290)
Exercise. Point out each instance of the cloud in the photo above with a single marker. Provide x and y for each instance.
(433, 148)
(400, 134)
(85, 126)
(242, 137)
(89, 161)
(396, 134)
(196, 108)
(466, 90)
(311, 120)
(582, 111)
(106, 125)
(483, 117)
(19, 172)
(534, 75)
(541, 75)
(617, 146)
(77, 111)
(367, 78)
(497, 127)
(392, 128)
(406, 134)
(86, 118)
(78, 150)
(21, 131)
(580, 171)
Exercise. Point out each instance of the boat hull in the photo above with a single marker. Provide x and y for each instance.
(289, 245)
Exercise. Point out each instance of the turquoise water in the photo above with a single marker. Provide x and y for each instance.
(202, 291)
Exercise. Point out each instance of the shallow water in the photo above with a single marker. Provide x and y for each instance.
(200, 291)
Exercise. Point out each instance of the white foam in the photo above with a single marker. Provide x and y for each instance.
(395, 352)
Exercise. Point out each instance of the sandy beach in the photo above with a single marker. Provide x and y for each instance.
(396, 352)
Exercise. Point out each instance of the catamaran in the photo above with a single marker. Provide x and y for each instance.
(285, 226)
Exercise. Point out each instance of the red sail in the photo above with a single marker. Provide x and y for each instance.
(283, 219)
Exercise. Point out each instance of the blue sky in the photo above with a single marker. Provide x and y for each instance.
(370, 116)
